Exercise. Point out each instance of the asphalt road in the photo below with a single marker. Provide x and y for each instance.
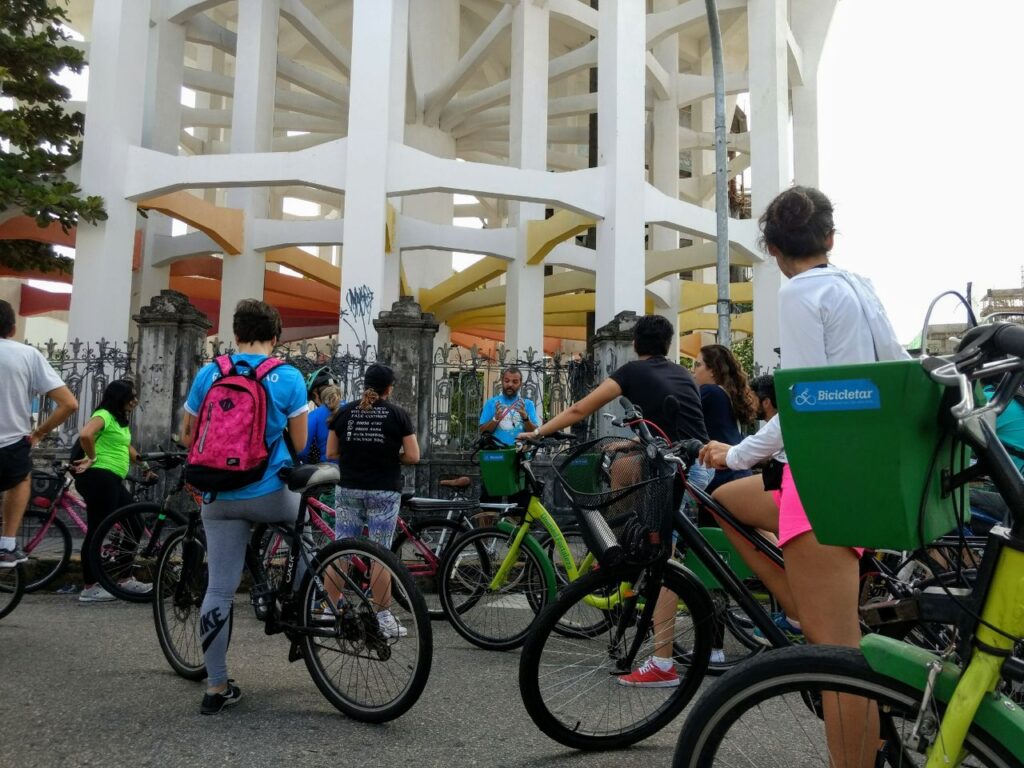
(87, 685)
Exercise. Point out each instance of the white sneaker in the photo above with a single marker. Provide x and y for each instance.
(136, 587)
(95, 594)
(717, 656)
(389, 625)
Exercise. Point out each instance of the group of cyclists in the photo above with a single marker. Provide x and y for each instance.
(827, 317)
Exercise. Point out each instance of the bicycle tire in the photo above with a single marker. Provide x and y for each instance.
(50, 557)
(177, 616)
(355, 655)
(437, 534)
(123, 547)
(12, 589)
(579, 625)
(793, 679)
(494, 621)
(569, 685)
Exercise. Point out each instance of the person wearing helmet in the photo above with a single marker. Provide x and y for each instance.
(323, 391)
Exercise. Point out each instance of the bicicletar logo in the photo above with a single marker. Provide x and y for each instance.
(848, 395)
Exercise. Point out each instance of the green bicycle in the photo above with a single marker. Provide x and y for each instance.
(889, 703)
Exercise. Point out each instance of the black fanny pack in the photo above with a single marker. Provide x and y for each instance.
(771, 475)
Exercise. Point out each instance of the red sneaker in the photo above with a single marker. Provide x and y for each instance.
(649, 675)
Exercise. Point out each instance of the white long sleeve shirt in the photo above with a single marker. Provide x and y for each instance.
(765, 444)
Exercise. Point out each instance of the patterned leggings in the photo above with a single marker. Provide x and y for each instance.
(376, 510)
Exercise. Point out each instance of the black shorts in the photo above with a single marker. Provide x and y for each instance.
(15, 463)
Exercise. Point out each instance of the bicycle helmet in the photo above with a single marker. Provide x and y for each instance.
(319, 379)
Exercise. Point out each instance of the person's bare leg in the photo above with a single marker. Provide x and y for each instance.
(825, 582)
(752, 505)
(14, 505)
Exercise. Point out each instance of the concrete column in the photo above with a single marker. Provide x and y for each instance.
(528, 148)
(113, 122)
(161, 125)
(252, 128)
(769, 153)
(379, 30)
(621, 66)
(405, 341)
(613, 347)
(665, 166)
(172, 334)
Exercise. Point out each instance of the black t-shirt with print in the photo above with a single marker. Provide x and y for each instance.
(369, 442)
(648, 382)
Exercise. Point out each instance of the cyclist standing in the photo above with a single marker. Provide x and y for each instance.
(372, 439)
(323, 391)
(648, 382)
(106, 441)
(228, 517)
(26, 374)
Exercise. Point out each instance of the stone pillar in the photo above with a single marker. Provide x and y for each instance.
(171, 337)
(405, 341)
(613, 347)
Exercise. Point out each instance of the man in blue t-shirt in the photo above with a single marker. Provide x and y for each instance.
(508, 414)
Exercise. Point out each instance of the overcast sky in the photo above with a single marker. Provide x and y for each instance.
(919, 147)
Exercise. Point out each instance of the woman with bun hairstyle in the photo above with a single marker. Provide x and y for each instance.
(827, 316)
(726, 400)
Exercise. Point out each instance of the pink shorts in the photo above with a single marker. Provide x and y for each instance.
(793, 520)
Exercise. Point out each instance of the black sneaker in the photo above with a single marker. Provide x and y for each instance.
(213, 703)
(12, 557)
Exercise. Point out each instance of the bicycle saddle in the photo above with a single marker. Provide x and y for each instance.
(301, 478)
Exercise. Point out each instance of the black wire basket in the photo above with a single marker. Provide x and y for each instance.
(632, 487)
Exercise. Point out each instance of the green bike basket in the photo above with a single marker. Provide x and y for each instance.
(716, 538)
(500, 473)
(861, 440)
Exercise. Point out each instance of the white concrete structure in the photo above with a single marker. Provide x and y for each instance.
(379, 111)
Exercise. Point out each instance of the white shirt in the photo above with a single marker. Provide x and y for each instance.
(766, 444)
(24, 373)
(821, 321)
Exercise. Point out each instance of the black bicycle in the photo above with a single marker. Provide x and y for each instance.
(350, 610)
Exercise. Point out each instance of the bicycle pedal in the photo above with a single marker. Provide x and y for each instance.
(294, 652)
(262, 594)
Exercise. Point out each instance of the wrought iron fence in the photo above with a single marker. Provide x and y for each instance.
(86, 368)
(309, 356)
(464, 379)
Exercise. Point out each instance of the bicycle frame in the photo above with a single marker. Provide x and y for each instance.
(70, 506)
(998, 595)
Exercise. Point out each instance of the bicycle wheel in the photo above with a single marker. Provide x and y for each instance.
(371, 655)
(772, 708)
(179, 587)
(422, 554)
(48, 546)
(571, 687)
(12, 589)
(575, 623)
(493, 618)
(126, 547)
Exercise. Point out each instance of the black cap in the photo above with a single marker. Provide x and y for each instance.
(378, 378)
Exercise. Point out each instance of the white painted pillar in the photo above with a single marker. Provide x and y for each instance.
(621, 68)
(161, 125)
(770, 154)
(665, 165)
(391, 287)
(113, 122)
(376, 27)
(528, 148)
(806, 158)
(252, 130)
(433, 53)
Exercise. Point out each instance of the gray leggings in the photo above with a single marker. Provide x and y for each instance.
(228, 526)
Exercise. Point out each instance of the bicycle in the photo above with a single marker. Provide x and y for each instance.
(12, 588)
(128, 542)
(496, 579)
(324, 604)
(43, 535)
(954, 707)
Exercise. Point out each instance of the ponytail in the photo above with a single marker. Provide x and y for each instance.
(370, 397)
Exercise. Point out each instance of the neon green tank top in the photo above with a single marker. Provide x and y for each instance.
(112, 444)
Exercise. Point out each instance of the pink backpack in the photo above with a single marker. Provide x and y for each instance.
(229, 445)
